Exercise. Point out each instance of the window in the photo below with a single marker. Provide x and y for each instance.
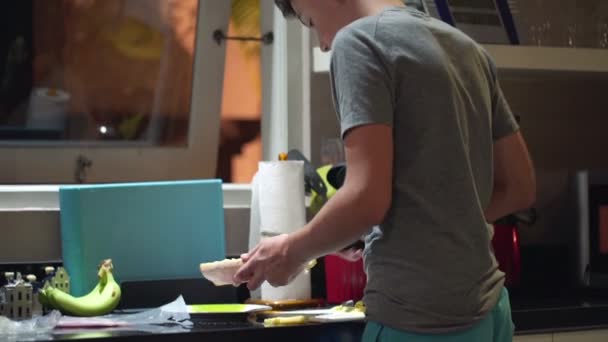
(33, 154)
(110, 90)
(240, 146)
(98, 71)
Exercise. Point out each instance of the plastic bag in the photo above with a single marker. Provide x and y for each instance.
(32, 329)
(169, 318)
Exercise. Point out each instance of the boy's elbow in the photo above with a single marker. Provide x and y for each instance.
(518, 195)
(378, 214)
(527, 191)
(377, 208)
(528, 198)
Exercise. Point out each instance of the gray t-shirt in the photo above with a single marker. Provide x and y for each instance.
(430, 265)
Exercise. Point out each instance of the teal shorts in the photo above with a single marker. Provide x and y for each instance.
(496, 327)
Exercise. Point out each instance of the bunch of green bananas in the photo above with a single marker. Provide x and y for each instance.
(101, 300)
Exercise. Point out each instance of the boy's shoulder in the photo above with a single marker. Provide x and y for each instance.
(382, 26)
(361, 28)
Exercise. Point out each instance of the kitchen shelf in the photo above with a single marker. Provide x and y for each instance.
(521, 58)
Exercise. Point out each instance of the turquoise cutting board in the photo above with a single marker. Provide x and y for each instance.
(150, 230)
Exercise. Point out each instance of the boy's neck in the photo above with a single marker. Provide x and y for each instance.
(373, 7)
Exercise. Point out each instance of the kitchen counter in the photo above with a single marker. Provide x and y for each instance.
(203, 331)
(551, 320)
(533, 313)
(560, 311)
(232, 327)
(527, 321)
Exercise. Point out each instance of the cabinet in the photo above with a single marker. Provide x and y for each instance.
(548, 35)
(517, 57)
(558, 23)
(534, 338)
(575, 336)
(582, 336)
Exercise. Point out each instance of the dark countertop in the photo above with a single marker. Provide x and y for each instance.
(559, 310)
(540, 311)
(233, 327)
(527, 321)
(531, 320)
(202, 331)
(562, 319)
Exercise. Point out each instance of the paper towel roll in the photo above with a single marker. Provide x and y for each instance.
(298, 289)
(281, 197)
(254, 213)
(48, 108)
(277, 207)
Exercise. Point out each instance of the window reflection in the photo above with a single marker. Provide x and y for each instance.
(93, 70)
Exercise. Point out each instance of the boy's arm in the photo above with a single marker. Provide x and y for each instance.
(514, 179)
(361, 202)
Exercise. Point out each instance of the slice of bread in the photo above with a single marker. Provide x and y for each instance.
(221, 272)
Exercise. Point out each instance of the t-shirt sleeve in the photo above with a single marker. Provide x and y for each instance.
(360, 81)
(503, 120)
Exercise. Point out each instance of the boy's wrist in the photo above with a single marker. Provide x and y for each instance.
(299, 245)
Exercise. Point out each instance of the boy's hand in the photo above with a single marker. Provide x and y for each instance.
(269, 261)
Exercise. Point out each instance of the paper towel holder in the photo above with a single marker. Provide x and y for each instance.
(312, 180)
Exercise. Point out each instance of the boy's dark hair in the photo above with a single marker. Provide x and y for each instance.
(286, 8)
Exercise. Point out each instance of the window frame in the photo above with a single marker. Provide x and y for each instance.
(57, 164)
(286, 89)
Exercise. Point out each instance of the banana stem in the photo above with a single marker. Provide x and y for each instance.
(105, 267)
